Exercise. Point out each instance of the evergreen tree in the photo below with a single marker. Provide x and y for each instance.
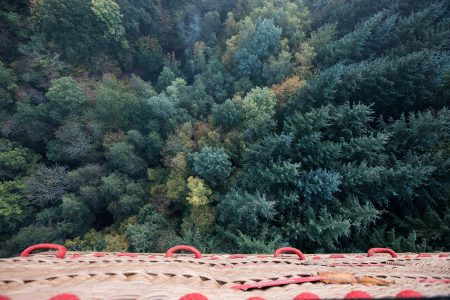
(254, 43)
(392, 84)
(213, 165)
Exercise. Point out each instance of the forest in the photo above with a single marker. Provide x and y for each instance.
(235, 126)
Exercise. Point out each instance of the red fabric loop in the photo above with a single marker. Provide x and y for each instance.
(193, 296)
(256, 298)
(233, 256)
(336, 256)
(61, 249)
(170, 252)
(316, 257)
(358, 295)
(299, 253)
(443, 255)
(409, 294)
(372, 251)
(64, 297)
(99, 254)
(127, 254)
(307, 296)
(422, 255)
(432, 280)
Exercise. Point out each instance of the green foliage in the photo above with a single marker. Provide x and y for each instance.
(191, 99)
(165, 78)
(175, 186)
(73, 26)
(245, 212)
(108, 13)
(14, 208)
(227, 115)
(162, 112)
(140, 87)
(76, 216)
(92, 241)
(277, 69)
(40, 65)
(319, 185)
(206, 243)
(15, 160)
(218, 81)
(150, 54)
(250, 244)
(30, 235)
(350, 48)
(213, 165)
(152, 232)
(210, 27)
(139, 16)
(123, 196)
(291, 16)
(84, 182)
(276, 147)
(255, 42)
(258, 109)
(154, 144)
(121, 156)
(391, 84)
(119, 107)
(7, 85)
(65, 98)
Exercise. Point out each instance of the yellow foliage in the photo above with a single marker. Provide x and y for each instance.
(199, 191)
(175, 186)
(234, 142)
(35, 9)
(155, 174)
(199, 49)
(115, 242)
(178, 163)
(157, 190)
(304, 60)
(177, 142)
(203, 218)
(228, 56)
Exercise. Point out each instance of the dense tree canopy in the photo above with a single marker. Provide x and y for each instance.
(234, 126)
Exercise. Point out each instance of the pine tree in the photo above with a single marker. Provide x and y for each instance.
(352, 46)
(392, 84)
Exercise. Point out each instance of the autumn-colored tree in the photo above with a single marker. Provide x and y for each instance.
(286, 90)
